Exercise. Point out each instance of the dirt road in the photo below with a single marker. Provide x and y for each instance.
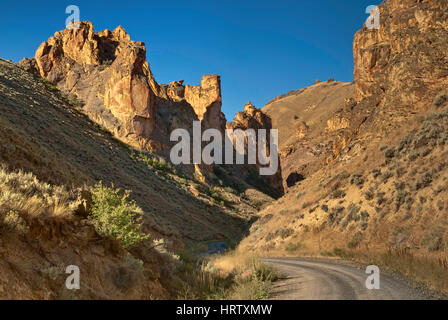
(313, 279)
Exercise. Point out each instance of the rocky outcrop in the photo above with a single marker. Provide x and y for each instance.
(109, 72)
(405, 60)
(250, 117)
(399, 69)
(302, 130)
(337, 122)
(29, 65)
(206, 101)
(253, 118)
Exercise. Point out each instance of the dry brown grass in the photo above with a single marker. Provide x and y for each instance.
(233, 276)
(24, 193)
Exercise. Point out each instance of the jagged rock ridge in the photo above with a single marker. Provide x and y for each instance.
(109, 72)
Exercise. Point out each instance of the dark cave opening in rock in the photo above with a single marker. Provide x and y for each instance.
(293, 178)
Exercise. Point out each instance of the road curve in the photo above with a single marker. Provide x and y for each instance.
(315, 279)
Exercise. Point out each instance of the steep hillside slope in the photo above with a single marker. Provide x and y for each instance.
(312, 105)
(108, 78)
(388, 206)
(380, 196)
(50, 156)
(44, 134)
(306, 122)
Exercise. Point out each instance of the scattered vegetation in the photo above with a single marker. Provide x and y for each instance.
(158, 164)
(284, 232)
(424, 179)
(49, 85)
(73, 100)
(23, 196)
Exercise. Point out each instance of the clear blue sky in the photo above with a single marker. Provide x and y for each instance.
(260, 48)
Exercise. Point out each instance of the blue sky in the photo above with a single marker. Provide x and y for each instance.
(260, 48)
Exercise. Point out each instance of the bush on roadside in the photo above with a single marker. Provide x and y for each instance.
(355, 241)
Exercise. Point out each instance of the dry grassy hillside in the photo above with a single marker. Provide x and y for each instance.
(313, 105)
(43, 132)
(51, 155)
(384, 202)
(302, 119)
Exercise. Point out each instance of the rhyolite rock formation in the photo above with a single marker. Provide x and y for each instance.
(399, 69)
(110, 74)
(254, 118)
(406, 57)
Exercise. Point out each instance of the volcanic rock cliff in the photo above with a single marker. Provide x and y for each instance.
(109, 73)
(406, 57)
(398, 68)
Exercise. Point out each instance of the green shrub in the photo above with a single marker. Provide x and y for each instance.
(218, 197)
(49, 85)
(356, 240)
(368, 195)
(73, 100)
(433, 239)
(334, 216)
(353, 210)
(292, 247)
(160, 165)
(414, 154)
(401, 198)
(376, 173)
(343, 175)
(134, 263)
(363, 224)
(386, 175)
(13, 221)
(380, 198)
(338, 194)
(424, 179)
(284, 233)
(357, 179)
(389, 153)
(116, 217)
(441, 99)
